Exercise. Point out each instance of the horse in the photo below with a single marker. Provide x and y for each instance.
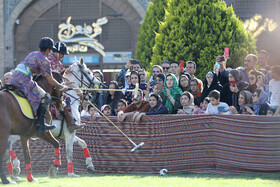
(80, 76)
(12, 121)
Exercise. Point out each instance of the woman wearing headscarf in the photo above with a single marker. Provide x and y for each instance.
(211, 82)
(135, 78)
(171, 94)
(260, 106)
(112, 97)
(184, 82)
(230, 91)
(187, 102)
(244, 100)
(156, 108)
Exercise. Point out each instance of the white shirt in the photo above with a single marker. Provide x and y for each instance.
(221, 107)
(274, 89)
(85, 114)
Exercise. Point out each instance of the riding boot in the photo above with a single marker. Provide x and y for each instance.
(41, 112)
(72, 124)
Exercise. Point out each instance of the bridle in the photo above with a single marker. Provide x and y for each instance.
(89, 83)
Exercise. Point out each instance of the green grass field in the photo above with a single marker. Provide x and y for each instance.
(197, 180)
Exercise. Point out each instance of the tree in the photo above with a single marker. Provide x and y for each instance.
(199, 30)
(146, 37)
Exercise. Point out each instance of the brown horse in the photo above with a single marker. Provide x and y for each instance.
(12, 121)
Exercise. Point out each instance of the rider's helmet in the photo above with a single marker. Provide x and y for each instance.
(61, 48)
(46, 43)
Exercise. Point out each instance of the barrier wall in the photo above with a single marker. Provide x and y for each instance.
(200, 144)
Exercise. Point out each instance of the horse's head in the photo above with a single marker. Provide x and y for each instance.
(81, 76)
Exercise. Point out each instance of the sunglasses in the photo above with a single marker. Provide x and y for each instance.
(165, 67)
(255, 95)
(156, 71)
(252, 78)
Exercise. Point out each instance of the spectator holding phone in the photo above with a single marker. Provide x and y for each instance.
(230, 91)
(135, 78)
(136, 66)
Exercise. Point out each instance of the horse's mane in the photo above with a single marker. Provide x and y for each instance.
(57, 76)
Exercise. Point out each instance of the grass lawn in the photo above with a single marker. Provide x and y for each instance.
(197, 180)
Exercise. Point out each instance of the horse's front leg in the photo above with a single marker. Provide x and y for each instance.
(82, 143)
(48, 137)
(26, 152)
(69, 140)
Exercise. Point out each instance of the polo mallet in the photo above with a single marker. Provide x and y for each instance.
(135, 145)
(135, 90)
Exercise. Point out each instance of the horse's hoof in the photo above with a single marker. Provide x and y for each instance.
(12, 182)
(90, 169)
(73, 175)
(16, 171)
(34, 180)
(15, 178)
(53, 171)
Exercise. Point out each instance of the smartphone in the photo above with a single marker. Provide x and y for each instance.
(135, 61)
(226, 53)
(232, 83)
(217, 66)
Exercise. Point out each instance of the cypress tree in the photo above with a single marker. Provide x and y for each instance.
(146, 38)
(199, 30)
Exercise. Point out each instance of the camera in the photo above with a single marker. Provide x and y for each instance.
(135, 61)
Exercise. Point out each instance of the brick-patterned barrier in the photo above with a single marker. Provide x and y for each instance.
(180, 143)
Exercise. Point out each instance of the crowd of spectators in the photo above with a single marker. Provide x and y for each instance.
(253, 89)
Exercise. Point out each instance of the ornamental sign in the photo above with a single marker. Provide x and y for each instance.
(69, 33)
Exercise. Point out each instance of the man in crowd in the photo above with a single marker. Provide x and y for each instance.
(191, 69)
(165, 67)
(263, 60)
(138, 105)
(174, 68)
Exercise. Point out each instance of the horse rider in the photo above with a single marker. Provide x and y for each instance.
(55, 59)
(36, 62)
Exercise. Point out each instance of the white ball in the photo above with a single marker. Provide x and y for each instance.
(163, 172)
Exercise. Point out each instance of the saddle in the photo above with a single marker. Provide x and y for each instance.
(25, 106)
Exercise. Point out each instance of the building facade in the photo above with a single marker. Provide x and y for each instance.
(92, 28)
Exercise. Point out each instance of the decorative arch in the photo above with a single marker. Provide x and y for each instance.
(34, 10)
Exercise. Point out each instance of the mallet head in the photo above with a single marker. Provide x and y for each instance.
(136, 90)
(136, 147)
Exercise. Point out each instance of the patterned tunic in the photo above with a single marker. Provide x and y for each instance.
(56, 65)
(38, 64)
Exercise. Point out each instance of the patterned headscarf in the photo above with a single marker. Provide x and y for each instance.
(173, 91)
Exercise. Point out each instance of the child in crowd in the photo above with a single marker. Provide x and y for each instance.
(215, 106)
(121, 105)
(84, 112)
(93, 112)
(187, 102)
(106, 109)
(270, 112)
(203, 106)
